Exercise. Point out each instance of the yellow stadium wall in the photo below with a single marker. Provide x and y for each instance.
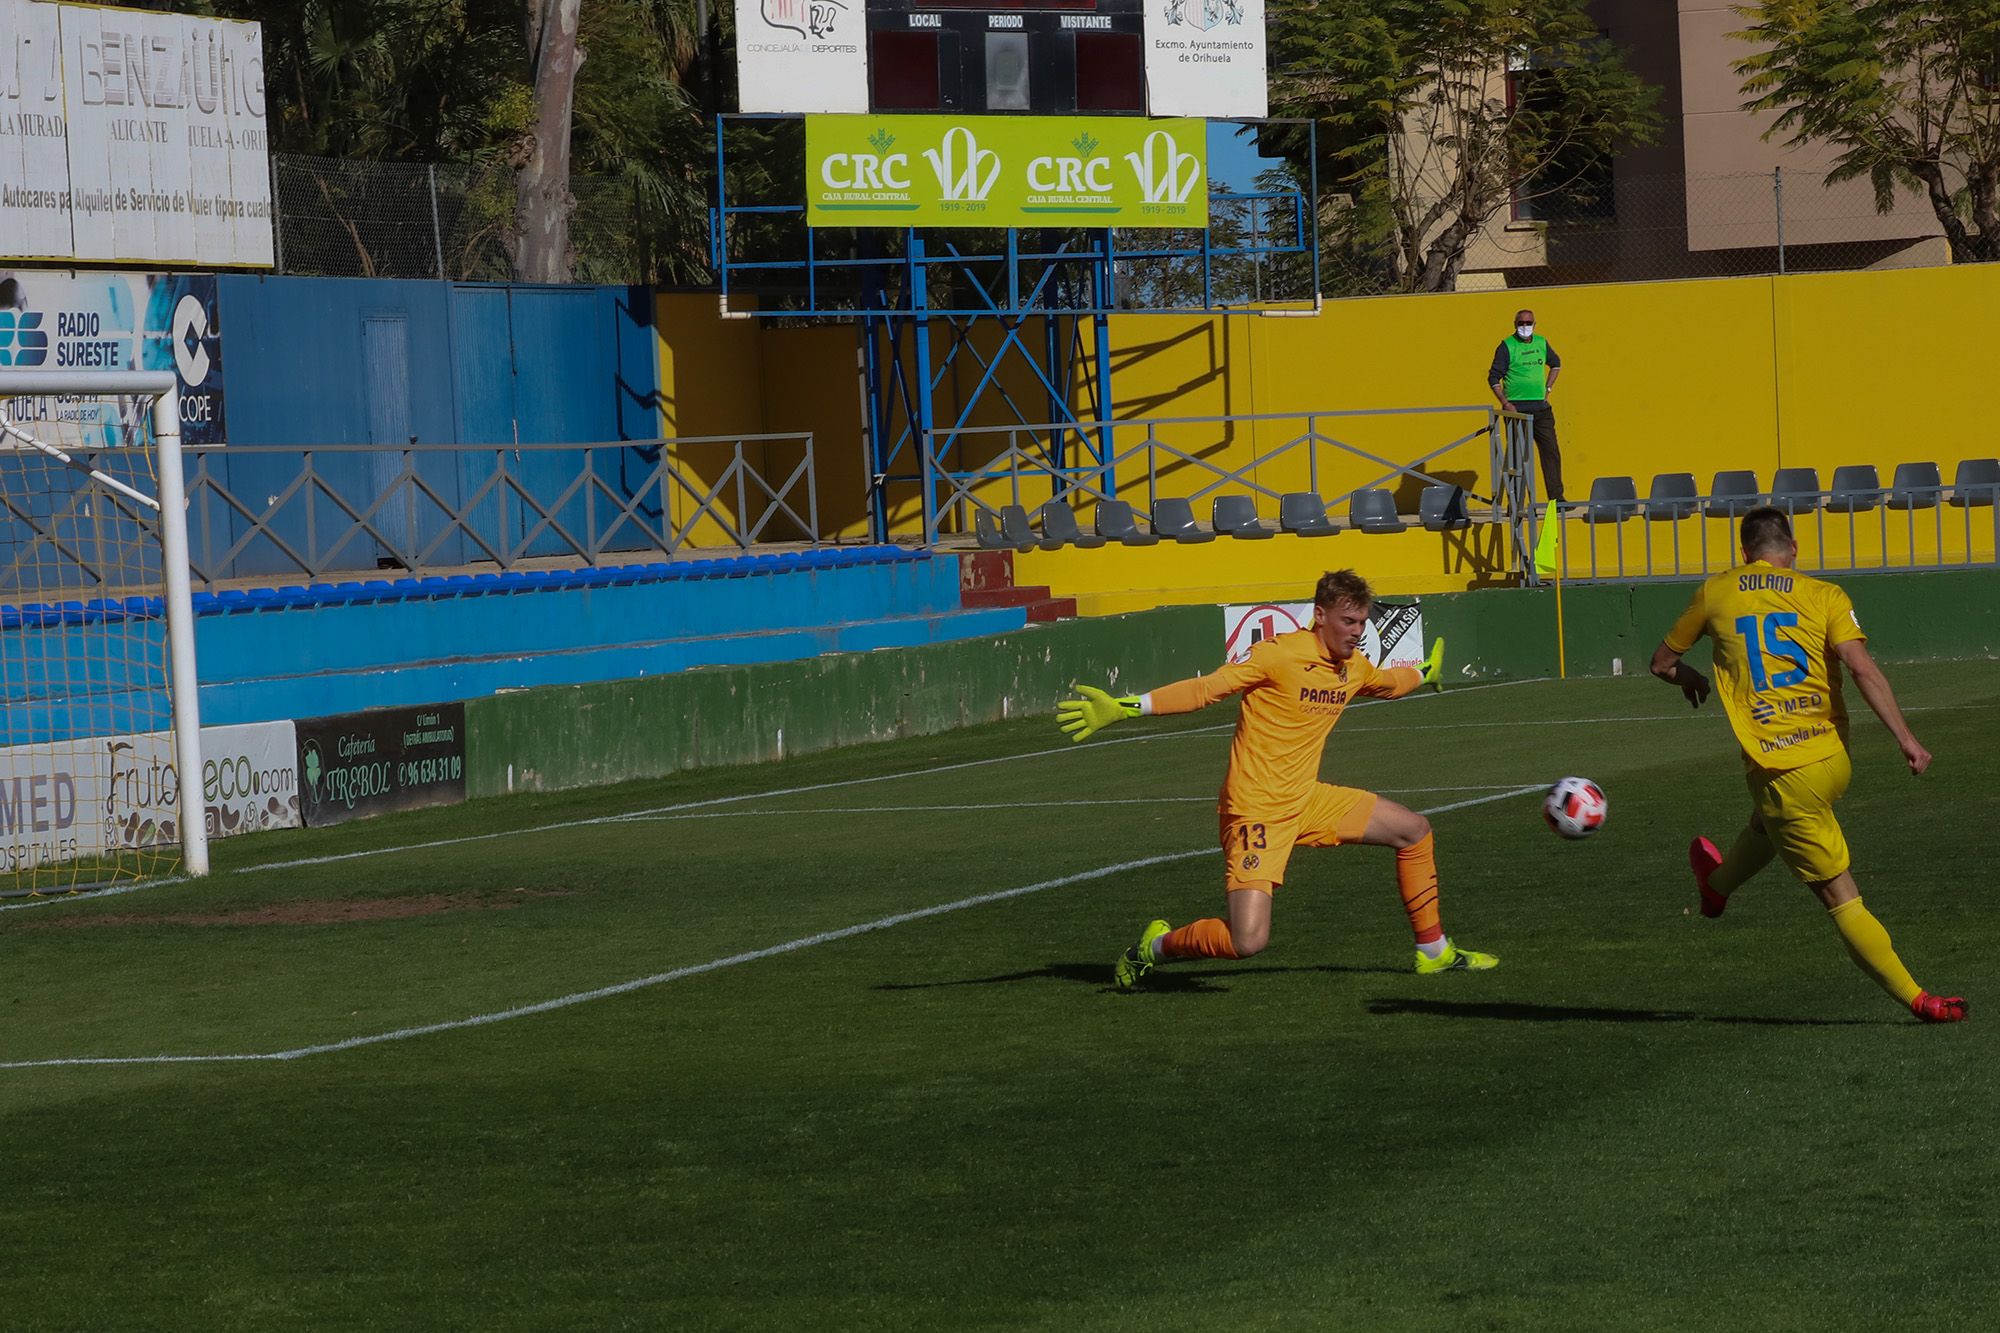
(1812, 370)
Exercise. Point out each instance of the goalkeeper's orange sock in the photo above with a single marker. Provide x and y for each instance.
(1868, 943)
(1206, 938)
(1417, 881)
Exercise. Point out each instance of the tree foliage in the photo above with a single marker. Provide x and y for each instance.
(1908, 90)
(453, 82)
(1436, 114)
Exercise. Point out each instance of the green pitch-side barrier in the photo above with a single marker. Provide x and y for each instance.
(559, 737)
(1510, 633)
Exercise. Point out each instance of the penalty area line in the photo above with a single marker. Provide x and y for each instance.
(679, 973)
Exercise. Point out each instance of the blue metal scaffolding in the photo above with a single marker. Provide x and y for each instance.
(1020, 311)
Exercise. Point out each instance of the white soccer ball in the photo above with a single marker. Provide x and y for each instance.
(1575, 807)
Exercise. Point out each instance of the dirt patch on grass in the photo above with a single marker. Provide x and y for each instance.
(311, 912)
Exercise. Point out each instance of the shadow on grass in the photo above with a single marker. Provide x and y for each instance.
(1170, 981)
(1588, 1013)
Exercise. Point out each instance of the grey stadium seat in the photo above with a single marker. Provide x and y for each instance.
(1020, 533)
(1672, 497)
(1442, 509)
(1175, 518)
(1059, 525)
(1303, 514)
(1733, 494)
(1374, 511)
(987, 529)
(1977, 482)
(1915, 486)
(1612, 500)
(1115, 523)
(1795, 488)
(1856, 489)
(1236, 516)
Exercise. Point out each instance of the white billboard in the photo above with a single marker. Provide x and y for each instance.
(127, 135)
(109, 793)
(802, 55)
(1394, 635)
(1206, 58)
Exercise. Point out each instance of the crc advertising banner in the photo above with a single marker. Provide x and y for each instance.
(129, 136)
(361, 764)
(1005, 171)
(1206, 58)
(114, 321)
(801, 55)
(111, 793)
(1394, 636)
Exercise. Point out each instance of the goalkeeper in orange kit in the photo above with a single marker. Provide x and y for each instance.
(1294, 688)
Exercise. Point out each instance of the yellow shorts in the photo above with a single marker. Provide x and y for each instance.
(1796, 807)
(1256, 848)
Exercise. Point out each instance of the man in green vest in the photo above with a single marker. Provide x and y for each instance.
(1524, 370)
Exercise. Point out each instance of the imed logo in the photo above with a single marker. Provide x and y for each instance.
(969, 179)
(1166, 174)
(23, 342)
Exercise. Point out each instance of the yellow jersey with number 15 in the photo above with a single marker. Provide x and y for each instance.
(1774, 631)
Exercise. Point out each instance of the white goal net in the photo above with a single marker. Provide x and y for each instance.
(100, 729)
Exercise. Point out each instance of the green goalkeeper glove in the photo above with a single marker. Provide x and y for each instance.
(1433, 672)
(1096, 710)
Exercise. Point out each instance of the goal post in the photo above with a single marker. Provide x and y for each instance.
(100, 761)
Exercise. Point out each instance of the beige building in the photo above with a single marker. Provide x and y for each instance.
(1707, 198)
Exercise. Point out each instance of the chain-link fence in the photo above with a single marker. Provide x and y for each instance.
(413, 220)
(1636, 228)
(416, 220)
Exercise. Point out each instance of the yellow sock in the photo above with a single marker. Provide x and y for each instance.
(1869, 945)
(1750, 853)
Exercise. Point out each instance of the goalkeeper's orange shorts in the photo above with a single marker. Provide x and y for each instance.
(1257, 847)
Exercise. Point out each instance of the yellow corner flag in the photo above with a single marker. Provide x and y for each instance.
(1545, 547)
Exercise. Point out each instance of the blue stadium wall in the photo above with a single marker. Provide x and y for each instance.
(403, 364)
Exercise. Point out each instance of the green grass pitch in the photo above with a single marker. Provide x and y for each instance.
(1642, 1120)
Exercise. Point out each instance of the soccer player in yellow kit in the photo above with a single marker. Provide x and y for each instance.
(1294, 688)
(1781, 638)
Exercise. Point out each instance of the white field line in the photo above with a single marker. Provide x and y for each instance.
(1015, 805)
(556, 826)
(1685, 715)
(679, 973)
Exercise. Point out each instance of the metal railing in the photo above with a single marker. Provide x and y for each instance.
(1839, 532)
(278, 512)
(1114, 459)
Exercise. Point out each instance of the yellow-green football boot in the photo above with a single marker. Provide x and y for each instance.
(1137, 961)
(1455, 959)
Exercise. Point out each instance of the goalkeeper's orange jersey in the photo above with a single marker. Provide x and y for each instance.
(1775, 630)
(1293, 693)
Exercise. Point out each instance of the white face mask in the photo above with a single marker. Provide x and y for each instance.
(1524, 330)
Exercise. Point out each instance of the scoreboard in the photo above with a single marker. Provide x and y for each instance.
(977, 57)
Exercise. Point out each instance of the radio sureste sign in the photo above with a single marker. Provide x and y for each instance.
(128, 136)
(1005, 171)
